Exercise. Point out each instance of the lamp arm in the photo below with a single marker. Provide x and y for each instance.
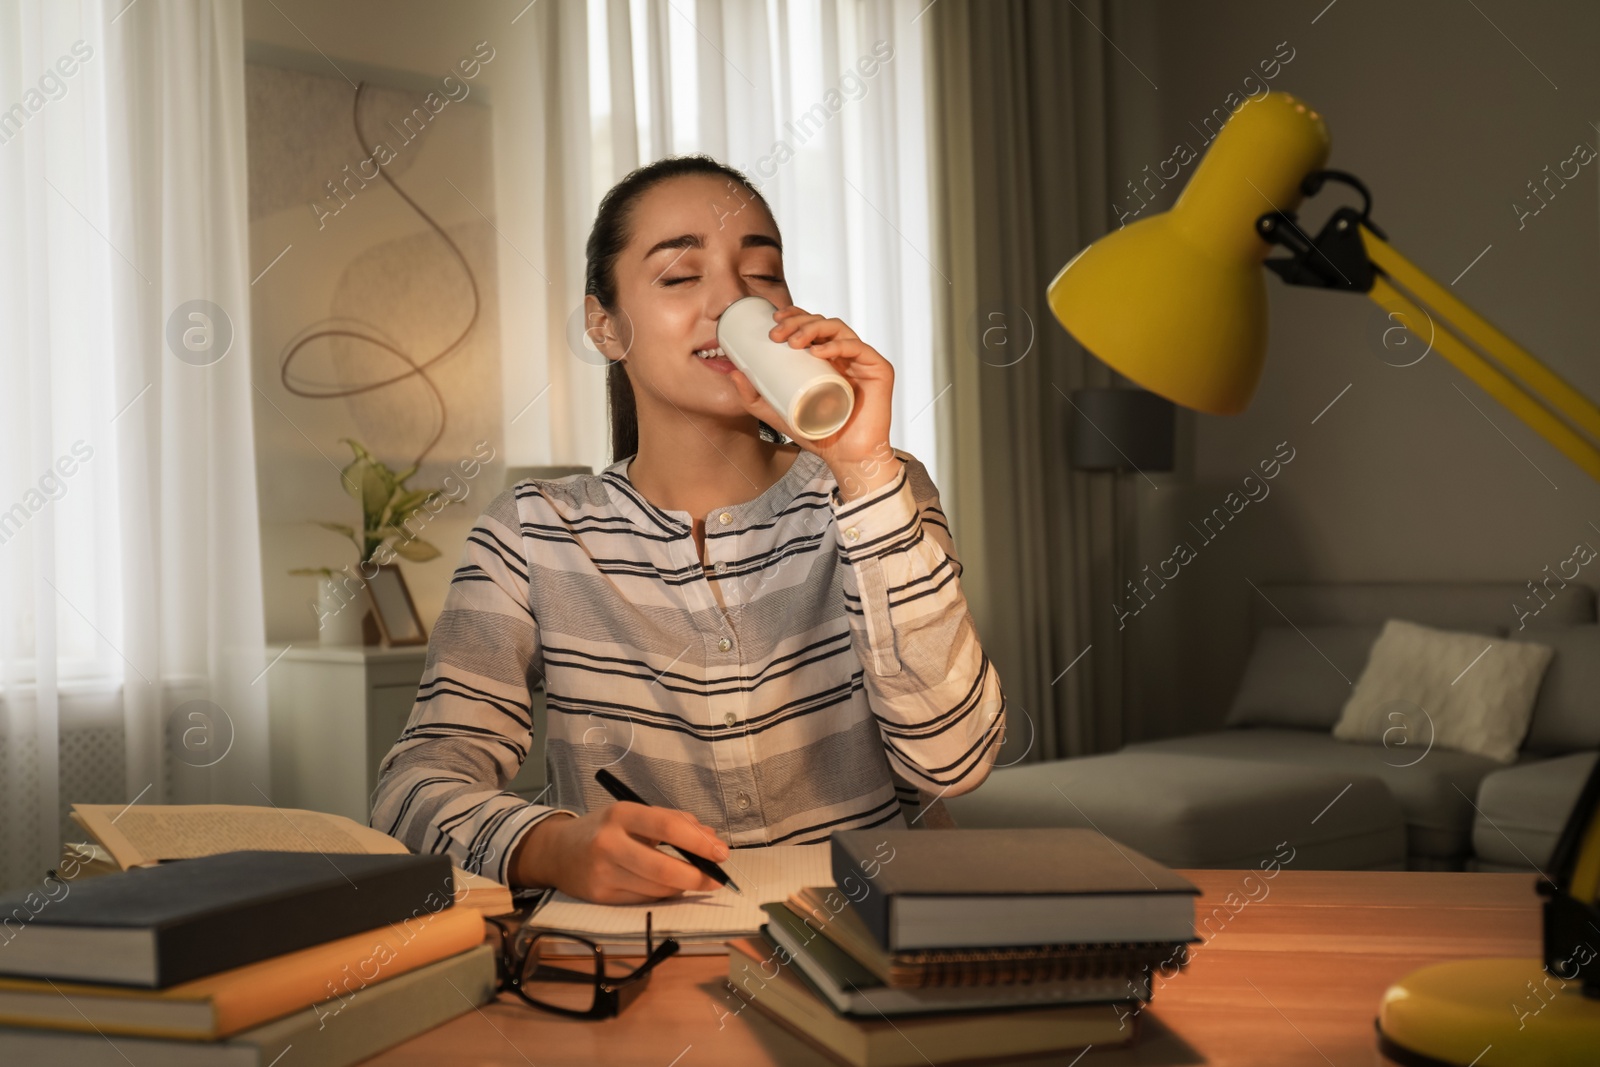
(1351, 254)
(1541, 396)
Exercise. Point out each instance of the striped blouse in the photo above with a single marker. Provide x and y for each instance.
(843, 687)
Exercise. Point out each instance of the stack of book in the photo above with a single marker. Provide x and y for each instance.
(980, 944)
(232, 959)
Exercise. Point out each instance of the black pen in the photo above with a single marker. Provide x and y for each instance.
(613, 785)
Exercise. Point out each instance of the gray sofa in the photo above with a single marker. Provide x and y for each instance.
(1274, 780)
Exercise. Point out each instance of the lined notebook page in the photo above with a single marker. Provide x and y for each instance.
(765, 875)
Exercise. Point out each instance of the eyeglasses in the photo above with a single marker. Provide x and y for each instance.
(570, 975)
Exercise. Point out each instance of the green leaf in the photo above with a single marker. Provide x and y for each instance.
(375, 493)
(407, 504)
(339, 528)
(344, 531)
(417, 550)
(354, 476)
(399, 533)
(350, 477)
(355, 447)
(391, 490)
(413, 499)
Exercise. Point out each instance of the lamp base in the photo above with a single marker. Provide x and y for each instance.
(1488, 1013)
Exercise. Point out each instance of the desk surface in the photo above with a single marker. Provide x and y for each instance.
(1289, 971)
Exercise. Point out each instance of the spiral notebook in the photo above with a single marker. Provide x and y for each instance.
(853, 988)
(700, 922)
(825, 908)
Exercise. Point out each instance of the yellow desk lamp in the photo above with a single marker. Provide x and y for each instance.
(1177, 302)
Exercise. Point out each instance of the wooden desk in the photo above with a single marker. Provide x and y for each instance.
(1288, 972)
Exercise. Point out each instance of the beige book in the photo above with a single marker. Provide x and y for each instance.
(142, 834)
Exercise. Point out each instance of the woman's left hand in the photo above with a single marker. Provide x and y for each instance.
(865, 435)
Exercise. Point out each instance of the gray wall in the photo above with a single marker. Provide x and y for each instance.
(1403, 479)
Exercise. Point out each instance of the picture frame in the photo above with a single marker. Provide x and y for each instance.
(392, 607)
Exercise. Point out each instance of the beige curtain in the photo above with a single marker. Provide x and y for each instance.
(1019, 92)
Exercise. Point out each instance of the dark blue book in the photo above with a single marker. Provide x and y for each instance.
(157, 926)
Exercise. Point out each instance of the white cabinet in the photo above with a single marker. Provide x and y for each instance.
(334, 714)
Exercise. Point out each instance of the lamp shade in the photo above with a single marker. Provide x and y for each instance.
(1178, 302)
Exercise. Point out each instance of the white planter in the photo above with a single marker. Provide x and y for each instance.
(342, 607)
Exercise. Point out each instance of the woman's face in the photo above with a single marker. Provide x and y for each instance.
(699, 243)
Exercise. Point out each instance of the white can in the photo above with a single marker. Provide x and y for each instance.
(815, 399)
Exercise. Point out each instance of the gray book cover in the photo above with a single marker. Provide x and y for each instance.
(875, 867)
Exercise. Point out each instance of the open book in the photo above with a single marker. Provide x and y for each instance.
(702, 922)
(139, 835)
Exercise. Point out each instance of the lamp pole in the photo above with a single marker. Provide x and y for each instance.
(1118, 430)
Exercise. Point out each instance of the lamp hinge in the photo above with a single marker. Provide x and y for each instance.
(1336, 259)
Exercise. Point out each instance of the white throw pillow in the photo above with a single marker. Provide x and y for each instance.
(1475, 693)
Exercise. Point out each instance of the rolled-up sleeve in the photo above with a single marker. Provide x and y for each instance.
(936, 696)
(442, 787)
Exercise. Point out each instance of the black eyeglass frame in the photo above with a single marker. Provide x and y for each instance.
(611, 995)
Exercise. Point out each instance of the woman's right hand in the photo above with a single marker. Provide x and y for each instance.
(609, 856)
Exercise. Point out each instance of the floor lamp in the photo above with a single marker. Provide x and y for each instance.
(1121, 430)
(1177, 302)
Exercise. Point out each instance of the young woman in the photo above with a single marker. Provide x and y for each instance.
(764, 637)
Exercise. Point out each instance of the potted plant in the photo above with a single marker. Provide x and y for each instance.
(391, 515)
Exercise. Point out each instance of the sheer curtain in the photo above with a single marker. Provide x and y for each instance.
(821, 103)
(131, 634)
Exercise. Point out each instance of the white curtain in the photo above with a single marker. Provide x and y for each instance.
(131, 632)
(822, 104)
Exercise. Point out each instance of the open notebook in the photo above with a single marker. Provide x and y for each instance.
(701, 922)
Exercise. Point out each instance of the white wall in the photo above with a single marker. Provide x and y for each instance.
(1446, 120)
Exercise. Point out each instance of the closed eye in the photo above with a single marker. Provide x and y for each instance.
(692, 277)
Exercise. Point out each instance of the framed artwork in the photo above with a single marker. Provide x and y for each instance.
(374, 305)
(398, 621)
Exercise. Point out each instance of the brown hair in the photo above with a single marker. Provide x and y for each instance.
(607, 238)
